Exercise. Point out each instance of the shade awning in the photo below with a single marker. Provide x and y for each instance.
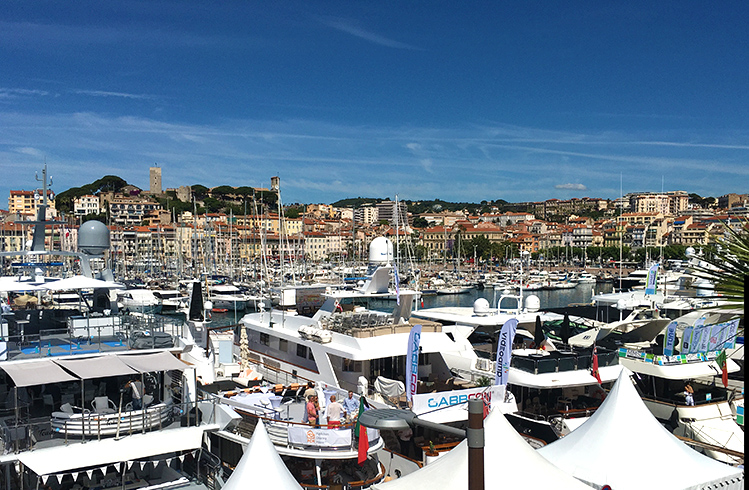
(73, 456)
(157, 361)
(96, 367)
(33, 373)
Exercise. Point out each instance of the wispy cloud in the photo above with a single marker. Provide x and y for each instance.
(14, 93)
(124, 95)
(349, 28)
(319, 161)
(571, 187)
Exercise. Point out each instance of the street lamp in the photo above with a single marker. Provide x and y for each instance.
(397, 419)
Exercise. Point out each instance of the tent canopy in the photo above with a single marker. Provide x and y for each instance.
(96, 367)
(38, 372)
(156, 361)
(623, 429)
(505, 453)
(79, 282)
(261, 465)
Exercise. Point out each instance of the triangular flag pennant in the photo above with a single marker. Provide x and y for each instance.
(74, 475)
(594, 366)
(181, 458)
(44, 479)
(363, 439)
(169, 461)
(90, 474)
(722, 361)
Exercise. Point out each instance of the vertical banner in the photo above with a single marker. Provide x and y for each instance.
(686, 340)
(412, 361)
(699, 333)
(650, 283)
(504, 351)
(670, 340)
(733, 328)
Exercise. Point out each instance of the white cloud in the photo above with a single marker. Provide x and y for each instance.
(572, 187)
(124, 95)
(345, 26)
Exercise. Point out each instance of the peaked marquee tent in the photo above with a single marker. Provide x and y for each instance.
(261, 466)
(624, 446)
(509, 462)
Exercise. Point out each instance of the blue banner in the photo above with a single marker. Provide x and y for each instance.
(504, 351)
(668, 345)
(650, 284)
(412, 361)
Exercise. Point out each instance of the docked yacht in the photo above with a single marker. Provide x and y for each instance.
(708, 417)
(66, 420)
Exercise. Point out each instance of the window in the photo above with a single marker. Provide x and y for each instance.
(350, 366)
(301, 350)
(264, 339)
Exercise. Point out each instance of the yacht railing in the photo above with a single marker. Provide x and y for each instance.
(300, 435)
(21, 431)
(89, 335)
(562, 361)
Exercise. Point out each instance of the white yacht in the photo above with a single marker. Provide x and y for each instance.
(65, 420)
(709, 419)
(227, 296)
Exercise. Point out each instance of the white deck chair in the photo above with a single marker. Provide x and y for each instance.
(103, 405)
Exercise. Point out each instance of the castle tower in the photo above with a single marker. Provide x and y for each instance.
(155, 180)
(275, 183)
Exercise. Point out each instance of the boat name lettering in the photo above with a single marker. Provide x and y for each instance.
(446, 401)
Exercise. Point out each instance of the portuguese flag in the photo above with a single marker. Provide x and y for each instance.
(722, 361)
(363, 439)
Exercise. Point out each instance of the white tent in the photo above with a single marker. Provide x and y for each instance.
(261, 466)
(80, 282)
(622, 445)
(509, 462)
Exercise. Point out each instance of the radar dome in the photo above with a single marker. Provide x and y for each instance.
(93, 238)
(689, 252)
(532, 303)
(380, 251)
(481, 307)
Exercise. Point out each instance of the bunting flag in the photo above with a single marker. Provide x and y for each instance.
(504, 351)
(412, 361)
(594, 366)
(363, 439)
(650, 283)
(74, 475)
(722, 361)
(90, 474)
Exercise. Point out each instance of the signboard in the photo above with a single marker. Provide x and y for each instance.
(428, 402)
(309, 436)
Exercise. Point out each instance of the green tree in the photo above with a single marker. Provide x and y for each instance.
(727, 265)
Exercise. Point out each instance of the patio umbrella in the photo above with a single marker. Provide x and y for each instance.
(565, 330)
(8, 284)
(538, 333)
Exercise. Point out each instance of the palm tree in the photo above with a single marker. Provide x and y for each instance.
(726, 264)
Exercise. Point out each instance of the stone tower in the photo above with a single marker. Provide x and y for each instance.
(155, 180)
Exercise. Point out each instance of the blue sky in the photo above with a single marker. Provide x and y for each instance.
(521, 101)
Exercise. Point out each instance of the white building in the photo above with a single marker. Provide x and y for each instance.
(85, 205)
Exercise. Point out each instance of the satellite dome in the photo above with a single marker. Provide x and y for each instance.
(93, 238)
(532, 303)
(380, 251)
(481, 307)
(689, 252)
